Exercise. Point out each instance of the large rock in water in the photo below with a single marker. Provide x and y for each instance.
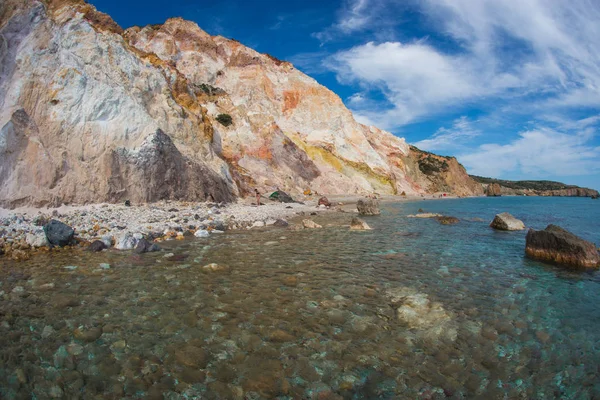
(368, 207)
(493, 190)
(58, 234)
(506, 222)
(560, 246)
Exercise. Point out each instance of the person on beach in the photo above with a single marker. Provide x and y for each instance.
(257, 194)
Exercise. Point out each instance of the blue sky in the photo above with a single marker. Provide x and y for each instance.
(512, 88)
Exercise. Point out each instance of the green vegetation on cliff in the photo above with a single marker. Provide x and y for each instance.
(525, 185)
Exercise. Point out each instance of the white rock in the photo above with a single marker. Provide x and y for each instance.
(200, 233)
(310, 224)
(37, 239)
(506, 222)
(107, 240)
(126, 241)
(258, 224)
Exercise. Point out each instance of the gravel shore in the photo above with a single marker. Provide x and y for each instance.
(121, 226)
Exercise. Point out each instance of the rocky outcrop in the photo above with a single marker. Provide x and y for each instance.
(506, 222)
(560, 246)
(368, 207)
(90, 112)
(493, 190)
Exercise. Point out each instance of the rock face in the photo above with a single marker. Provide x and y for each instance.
(58, 234)
(368, 207)
(493, 190)
(560, 246)
(506, 222)
(90, 112)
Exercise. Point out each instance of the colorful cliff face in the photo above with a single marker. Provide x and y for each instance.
(90, 112)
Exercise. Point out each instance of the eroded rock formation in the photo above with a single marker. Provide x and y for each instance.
(90, 112)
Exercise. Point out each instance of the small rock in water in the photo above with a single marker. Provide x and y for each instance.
(447, 220)
(280, 336)
(104, 266)
(96, 245)
(506, 222)
(192, 356)
(307, 223)
(368, 207)
(200, 233)
(216, 267)
(358, 224)
(144, 246)
(87, 335)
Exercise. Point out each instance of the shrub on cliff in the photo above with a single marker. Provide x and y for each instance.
(225, 119)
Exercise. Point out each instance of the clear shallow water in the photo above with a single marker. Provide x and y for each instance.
(311, 314)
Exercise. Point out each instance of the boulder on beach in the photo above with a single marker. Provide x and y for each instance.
(37, 239)
(144, 246)
(96, 245)
(560, 246)
(358, 224)
(58, 234)
(506, 222)
(323, 201)
(368, 207)
(310, 224)
(126, 241)
(282, 197)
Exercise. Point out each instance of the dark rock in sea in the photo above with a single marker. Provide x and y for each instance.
(560, 246)
(506, 222)
(281, 223)
(447, 220)
(594, 197)
(324, 201)
(127, 203)
(420, 210)
(96, 245)
(493, 190)
(58, 234)
(144, 246)
(282, 197)
(368, 207)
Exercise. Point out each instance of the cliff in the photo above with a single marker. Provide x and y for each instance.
(90, 112)
(532, 188)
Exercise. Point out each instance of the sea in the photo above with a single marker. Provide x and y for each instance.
(411, 309)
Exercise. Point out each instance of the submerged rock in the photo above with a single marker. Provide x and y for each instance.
(358, 224)
(506, 222)
(144, 246)
(447, 220)
(216, 267)
(560, 246)
(310, 224)
(368, 207)
(58, 234)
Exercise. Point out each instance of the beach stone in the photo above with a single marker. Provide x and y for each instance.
(281, 196)
(258, 224)
(191, 356)
(201, 233)
(323, 201)
(280, 223)
(506, 222)
(58, 234)
(37, 239)
(368, 207)
(560, 246)
(125, 241)
(144, 246)
(96, 245)
(87, 335)
(216, 267)
(310, 224)
(107, 240)
(358, 224)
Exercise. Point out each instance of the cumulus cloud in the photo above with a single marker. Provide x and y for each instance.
(461, 132)
(538, 153)
(501, 51)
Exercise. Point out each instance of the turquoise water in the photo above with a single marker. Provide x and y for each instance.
(411, 309)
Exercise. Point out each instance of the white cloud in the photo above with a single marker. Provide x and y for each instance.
(537, 153)
(461, 131)
(355, 15)
(506, 51)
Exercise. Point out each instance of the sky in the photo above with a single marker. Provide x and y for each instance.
(509, 87)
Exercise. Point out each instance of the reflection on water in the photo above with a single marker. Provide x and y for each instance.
(309, 314)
